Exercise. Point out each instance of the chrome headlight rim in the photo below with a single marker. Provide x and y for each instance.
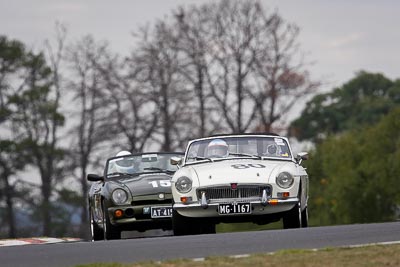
(285, 180)
(183, 184)
(119, 196)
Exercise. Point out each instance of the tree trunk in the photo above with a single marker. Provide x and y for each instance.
(239, 96)
(84, 227)
(12, 233)
(167, 120)
(200, 94)
(46, 214)
(46, 207)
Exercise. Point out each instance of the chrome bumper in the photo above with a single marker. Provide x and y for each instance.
(263, 207)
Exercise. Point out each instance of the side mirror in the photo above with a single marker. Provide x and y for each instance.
(301, 156)
(175, 160)
(94, 177)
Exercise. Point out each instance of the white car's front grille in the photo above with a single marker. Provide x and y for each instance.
(242, 193)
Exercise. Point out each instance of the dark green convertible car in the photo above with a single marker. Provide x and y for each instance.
(134, 193)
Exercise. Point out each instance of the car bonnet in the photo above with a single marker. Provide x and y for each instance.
(235, 171)
(147, 184)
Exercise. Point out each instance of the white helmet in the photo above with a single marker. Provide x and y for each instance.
(217, 148)
(124, 165)
(272, 149)
(123, 153)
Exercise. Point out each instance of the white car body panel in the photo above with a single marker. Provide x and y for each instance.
(242, 171)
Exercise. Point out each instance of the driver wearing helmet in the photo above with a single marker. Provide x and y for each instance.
(123, 153)
(217, 148)
(125, 164)
(272, 149)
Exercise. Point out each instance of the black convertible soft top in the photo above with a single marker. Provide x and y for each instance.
(217, 135)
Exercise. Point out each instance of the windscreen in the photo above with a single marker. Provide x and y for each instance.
(230, 147)
(138, 164)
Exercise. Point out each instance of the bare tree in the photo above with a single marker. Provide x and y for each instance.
(157, 71)
(235, 35)
(247, 59)
(193, 37)
(133, 114)
(55, 58)
(280, 73)
(91, 123)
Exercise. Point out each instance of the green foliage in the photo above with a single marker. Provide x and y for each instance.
(11, 53)
(29, 112)
(354, 176)
(71, 197)
(12, 56)
(61, 213)
(362, 101)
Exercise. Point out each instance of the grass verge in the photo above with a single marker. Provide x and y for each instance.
(376, 255)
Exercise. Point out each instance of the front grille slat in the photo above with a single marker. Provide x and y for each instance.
(241, 194)
(150, 202)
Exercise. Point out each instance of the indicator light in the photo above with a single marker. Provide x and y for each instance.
(273, 201)
(118, 213)
(185, 200)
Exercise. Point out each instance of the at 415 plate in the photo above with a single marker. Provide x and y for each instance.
(161, 212)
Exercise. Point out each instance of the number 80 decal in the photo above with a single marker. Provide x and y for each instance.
(246, 166)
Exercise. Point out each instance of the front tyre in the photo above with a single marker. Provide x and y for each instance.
(109, 231)
(180, 224)
(208, 228)
(293, 217)
(95, 232)
(304, 217)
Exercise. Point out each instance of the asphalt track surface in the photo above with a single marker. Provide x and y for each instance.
(171, 247)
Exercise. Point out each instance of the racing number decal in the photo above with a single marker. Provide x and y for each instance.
(162, 183)
(246, 166)
(240, 166)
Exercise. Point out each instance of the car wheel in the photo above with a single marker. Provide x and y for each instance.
(207, 228)
(293, 218)
(95, 232)
(304, 217)
(180, 224)
(109, 231)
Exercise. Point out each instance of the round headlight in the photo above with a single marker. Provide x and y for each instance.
(284, 180)
(183, 184)
(119, 196)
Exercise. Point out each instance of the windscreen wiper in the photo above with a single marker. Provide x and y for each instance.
(201, 158)
(122, 174)
(159, 169)
(245, 155)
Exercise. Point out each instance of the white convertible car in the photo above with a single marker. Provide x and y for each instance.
(238, 178)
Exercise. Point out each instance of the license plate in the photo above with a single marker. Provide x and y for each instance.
(234, 208)
(161, 212)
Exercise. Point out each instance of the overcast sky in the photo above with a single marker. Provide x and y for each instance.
(340, 36)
